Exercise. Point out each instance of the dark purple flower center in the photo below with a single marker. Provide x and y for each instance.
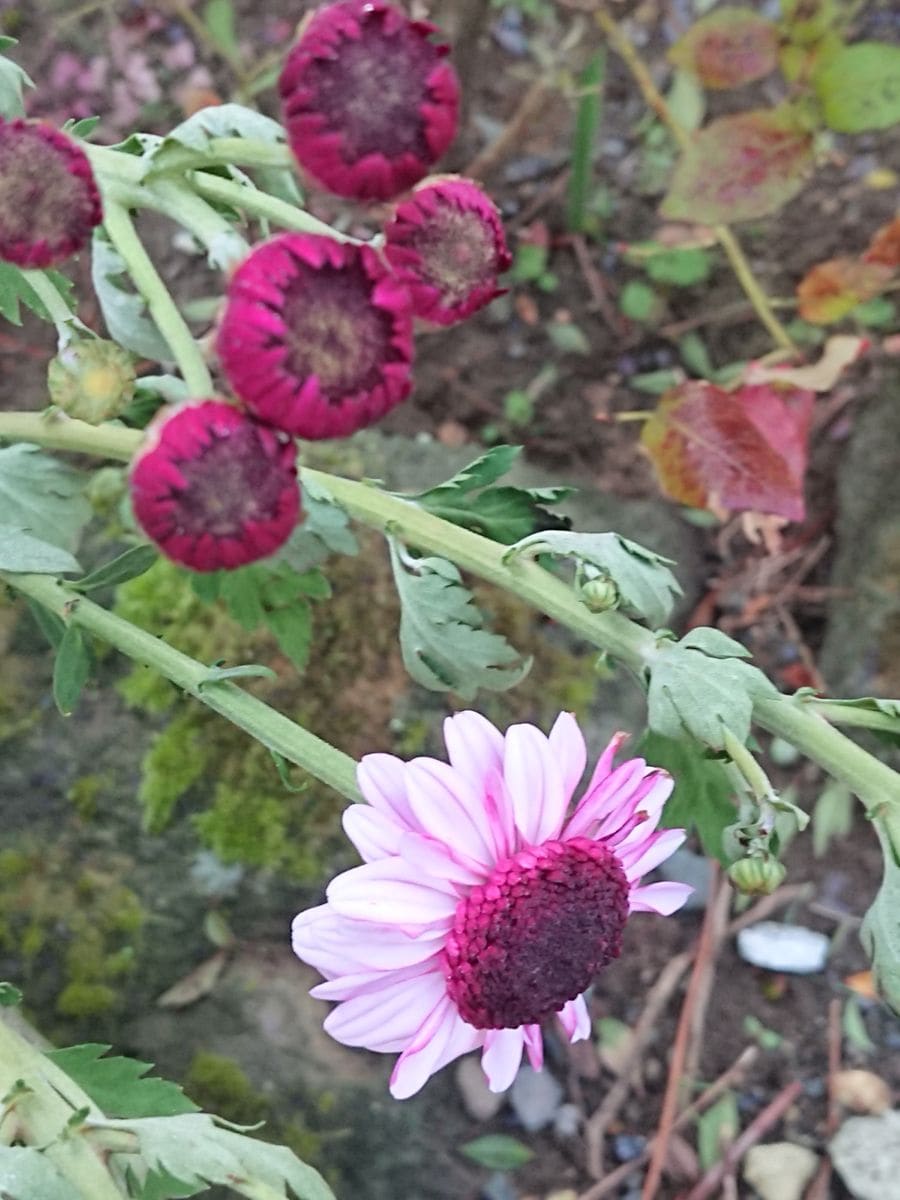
(372, 90)
(458, 252)
(334, 330)
(535, 934)
(233, 482)
(40, 199)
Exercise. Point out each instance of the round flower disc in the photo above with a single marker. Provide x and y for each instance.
(214, 489)
(370, 102)
(446, 243)
(316, 337)
(49, 201)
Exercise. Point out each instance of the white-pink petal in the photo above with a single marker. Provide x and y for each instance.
(446, 807)
(382, 780)
(575, 1019)
(637, 860)
(474, 747)
(430, 857)
(534, 1045)
(386, 1016)
(442, 1037)
(502, 1056)
(336, 946)
(535, 784)
(567, 744)
(373, 833)
(391, 892)
(663, 898)
(606, 799)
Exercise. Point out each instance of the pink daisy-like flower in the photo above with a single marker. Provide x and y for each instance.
(49, 201)
(446, 243)
(370, 102)
(214, 489)
(484, 904)
(316, 337)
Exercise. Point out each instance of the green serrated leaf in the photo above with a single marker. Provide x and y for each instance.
(242, 592)
(504, 514)
(325, 530)
(196, 1148)
(647, 587)
(42, 495)
(692, 693)
(497, 1152)
(20, 552)
(28, 1174)
(125, 311)
(15, 290)
(443, 644)
(485, 470)
(71, 669)
(714, 643)
(245, 671)
(12, 82)
(118, 1085)
(10, 995)
(129, 565)
(292, 629)
(880, 931)
(703, 794)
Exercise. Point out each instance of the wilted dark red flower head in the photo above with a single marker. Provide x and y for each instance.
(316, 338)
(370, 102)
(446, 243)
(214, 489)
(49, 201)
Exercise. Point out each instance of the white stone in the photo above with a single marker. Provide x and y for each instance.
(779, 1170)
(866, 1154)
(778, 947)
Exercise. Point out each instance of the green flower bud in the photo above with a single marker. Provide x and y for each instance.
(92, 380)
(757, 876)
(599, 594)
(105, 490)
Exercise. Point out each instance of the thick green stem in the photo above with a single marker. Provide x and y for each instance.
(862, 718)
(59, 312)
(174, 199)
(261, 204)
(275, 731)
(162, 307)
(632, 645)
(229, 151)
(42, 1111)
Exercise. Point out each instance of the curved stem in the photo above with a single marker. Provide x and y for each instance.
(162, 307)
(175, 200)
(261, 204)
(726, 239)
(230, 151)
(275, 731)
(632, 645)
(57, 309)
(839, 713)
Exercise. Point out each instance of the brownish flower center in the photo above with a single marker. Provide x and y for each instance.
(458, 252)
(40, 200)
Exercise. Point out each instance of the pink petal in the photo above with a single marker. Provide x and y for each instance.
(609, 796)
(662, 898)
(442, 1037)
(382, 780)
(391, 892)
(336, 946)
(534, 782)
(502, 1056)
(373, 833)
(567, 743)
(534, 1045)
(447, 808)
(392, 1014)
(643, 857)
(650, 798)
(432, 858)
(474, 747)
(575, 1019)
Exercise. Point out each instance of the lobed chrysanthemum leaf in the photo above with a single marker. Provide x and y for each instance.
(325, 531)
(15, 290)
(26, 1173)
(19, 551)
(647, 588)
(702, 798)
(125, 312)
(119, 1085)
(43, 496)
(442, 641)
(198, 1149)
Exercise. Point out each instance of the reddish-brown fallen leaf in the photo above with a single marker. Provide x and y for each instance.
(884, 247)
(739, 168)
(728, 47)
(830, 290)
(736, 450)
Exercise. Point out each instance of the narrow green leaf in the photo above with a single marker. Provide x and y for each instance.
(284, 773)
(10, 995)
(832, 816)
(20, 552)
(245, 671)
(51, 626)
(125, 311)
(497, 1152)
(587, 122)
(854, 1027)
(717, 1128)
(128, 565)
(218, 17)
(83, 128)
(118, 1085)
(12, 82)
(15, 290)
(70, 670)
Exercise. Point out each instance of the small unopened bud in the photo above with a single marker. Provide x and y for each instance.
(599, 594)
(92, 380)
(757, 876)
(105, 490)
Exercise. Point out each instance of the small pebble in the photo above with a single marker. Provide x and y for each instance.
(627, 1146)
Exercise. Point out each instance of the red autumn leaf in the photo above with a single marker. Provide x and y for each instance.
(741, 450)
(834, 288)
(728, 48)
(884, 247)
(740, 168)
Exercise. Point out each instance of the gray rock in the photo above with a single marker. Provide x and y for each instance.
(535, 1097)
(866, 1154)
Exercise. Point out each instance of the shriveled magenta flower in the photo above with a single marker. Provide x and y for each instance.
(446, 243)
(316, 337)
(370, 102)
(49, 201)
(484, 906)
(214, 489)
